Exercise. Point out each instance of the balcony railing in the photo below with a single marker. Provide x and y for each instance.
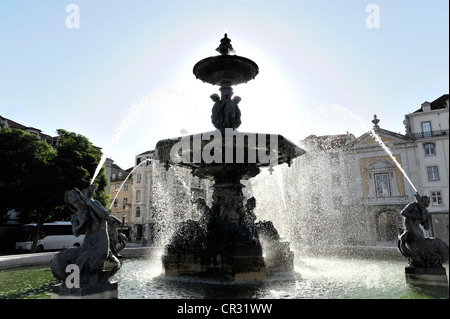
(428, 134)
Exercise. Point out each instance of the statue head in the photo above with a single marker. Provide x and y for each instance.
(215, 97)
(423, 201)
(73, 198)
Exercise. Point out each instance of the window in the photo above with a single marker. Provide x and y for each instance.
(138, 196)
(436, 198)
(382, 185)
(429, 149)
(125, 202)
(113, 176)
(116, 201)
(138, 211)
(116, 187)
(120, 174)
(426, 129)
(433, 173)
(138, 178)
(125, 186)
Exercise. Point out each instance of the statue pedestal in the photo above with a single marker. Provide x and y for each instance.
(98, 291)
(426, 277)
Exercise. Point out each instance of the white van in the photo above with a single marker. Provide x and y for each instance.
(54, 236)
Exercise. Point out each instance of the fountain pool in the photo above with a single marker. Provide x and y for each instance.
(313, 278)
(317, 277)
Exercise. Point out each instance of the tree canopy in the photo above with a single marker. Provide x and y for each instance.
(35, 176)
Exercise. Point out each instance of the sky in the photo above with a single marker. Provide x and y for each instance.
(120, 72)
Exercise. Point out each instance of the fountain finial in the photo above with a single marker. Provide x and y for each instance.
(375, 121)
(225, 47)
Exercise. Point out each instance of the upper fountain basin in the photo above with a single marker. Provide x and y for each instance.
(226, 68)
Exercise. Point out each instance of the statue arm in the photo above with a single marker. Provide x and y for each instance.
(98, 208)
(77, 227)
(409, 211)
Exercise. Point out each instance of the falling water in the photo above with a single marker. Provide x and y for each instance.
(313, 190)
(171, 199)
(279, 180)
(388, 151)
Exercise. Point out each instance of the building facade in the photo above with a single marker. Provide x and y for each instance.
(382, 183)
(429, 127)
(7, 123)
(120, 194)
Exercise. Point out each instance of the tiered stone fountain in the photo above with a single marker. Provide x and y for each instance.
(226, 242)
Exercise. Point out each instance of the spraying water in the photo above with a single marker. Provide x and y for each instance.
(345, 113)
(388, 151)
(161, 98)
(123, 126)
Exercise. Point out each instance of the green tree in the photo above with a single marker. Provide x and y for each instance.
(27, 169)
(75, 164)
(35, 177)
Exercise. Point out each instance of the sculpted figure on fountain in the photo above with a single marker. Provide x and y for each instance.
(102, 242)
(421, 251)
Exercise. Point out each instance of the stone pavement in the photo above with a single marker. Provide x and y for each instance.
(23, 260)
(44, 258)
